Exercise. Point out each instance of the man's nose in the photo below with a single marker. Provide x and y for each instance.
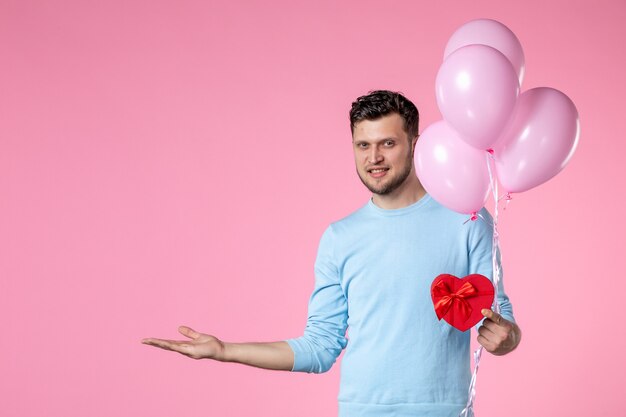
(375, 156)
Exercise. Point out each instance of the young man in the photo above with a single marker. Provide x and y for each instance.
(373, 274)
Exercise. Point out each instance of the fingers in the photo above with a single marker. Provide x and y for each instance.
(170, 344)
(487, 337)
(487, 333)
(496, 334)
(162, 343)
(173, 345)
(490, 334)
(498, 326)
(181, 346)
(189, 332)
(496, 323)
(486, 343)
(492, 315)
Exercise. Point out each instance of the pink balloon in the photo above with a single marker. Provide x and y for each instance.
(539, 140)
(491, 33)
(476, 91)
(452, 172)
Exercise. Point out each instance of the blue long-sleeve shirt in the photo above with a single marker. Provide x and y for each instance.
(373, 273)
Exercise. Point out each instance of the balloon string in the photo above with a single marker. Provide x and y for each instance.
(468, 411)
(508, 198)
(473, 217)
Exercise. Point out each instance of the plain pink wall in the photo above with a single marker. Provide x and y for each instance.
(167, 163)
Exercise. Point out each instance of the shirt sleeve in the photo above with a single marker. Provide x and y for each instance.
(324, 335)
(481, 260)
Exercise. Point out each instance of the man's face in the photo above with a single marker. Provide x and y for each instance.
(383, 153)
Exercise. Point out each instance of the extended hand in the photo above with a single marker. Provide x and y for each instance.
(199, 347)
(498, 335)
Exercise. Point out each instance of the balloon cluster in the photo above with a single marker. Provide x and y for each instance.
(530, 136)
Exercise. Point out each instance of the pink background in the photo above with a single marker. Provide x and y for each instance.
(167, 163)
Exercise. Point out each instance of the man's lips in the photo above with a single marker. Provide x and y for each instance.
(378, 172)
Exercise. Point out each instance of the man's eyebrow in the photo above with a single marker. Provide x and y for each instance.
(375, 141)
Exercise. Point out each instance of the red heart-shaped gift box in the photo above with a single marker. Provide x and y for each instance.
(460, 300)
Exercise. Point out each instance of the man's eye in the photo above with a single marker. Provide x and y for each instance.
(362, 145)
(389, 143)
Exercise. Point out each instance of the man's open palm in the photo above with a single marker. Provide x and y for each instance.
(199, 347)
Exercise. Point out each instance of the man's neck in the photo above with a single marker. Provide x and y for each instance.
(408, 193)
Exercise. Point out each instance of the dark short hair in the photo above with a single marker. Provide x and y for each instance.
(379, 103)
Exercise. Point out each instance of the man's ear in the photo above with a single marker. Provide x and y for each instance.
(414, 141)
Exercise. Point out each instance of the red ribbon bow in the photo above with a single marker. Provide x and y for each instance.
(456, 300)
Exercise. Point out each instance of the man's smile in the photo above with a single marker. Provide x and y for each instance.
(378, 172)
